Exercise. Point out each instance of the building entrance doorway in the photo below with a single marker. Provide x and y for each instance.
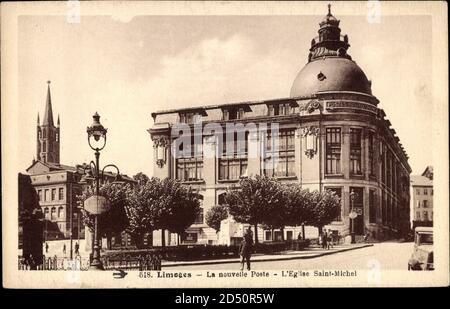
(358, 206)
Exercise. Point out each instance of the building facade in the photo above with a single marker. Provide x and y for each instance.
(330, 133)
(422, 197)
(57, 188)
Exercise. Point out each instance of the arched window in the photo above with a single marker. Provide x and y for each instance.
(60, 212)
(46, 212)
(53, 213)
(200, 215)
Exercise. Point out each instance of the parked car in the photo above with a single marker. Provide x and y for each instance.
(422, 257)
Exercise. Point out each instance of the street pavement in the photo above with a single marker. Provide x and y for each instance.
(386, 255)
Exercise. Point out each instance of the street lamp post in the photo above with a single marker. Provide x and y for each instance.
(98, 132)
(352, 201)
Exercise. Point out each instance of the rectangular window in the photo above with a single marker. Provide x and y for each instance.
(47, 195)
(280, 109)
(53, 194)
(372, 209)
(233, 163)
(233, 113)
(370, 140)
(417, 215)
(425, 191)
(333, 151)
(418, 204)
(188, 117)
(388, 169)
(383, 162)
(418, 191)
(40, 195)
(279, 162)
(190, 168)
(278, 236)
(268, 235)
(431, 191)
(61, 194)
(425, 204)
(355, 151)
(389, 210)
(425, 215)
(289, 235)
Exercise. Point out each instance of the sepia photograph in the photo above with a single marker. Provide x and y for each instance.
(224, 144)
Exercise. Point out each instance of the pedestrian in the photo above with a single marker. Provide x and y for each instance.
(64, 249)
(330, 239)
(299, 237)
(46, 247)
(77, 247)
(246, 248)
(324, 239)
(366, 236)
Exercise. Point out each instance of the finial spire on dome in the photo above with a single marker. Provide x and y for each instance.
(329, 8)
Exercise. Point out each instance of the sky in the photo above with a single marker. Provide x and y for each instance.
(125, 69)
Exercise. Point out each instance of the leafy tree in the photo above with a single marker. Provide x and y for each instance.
(141, 178)
(115, 220)
(160, 204)
(143, 199)
(299, 207)
(255, 201)
(215, 215)
(326, 207)
(181, 206)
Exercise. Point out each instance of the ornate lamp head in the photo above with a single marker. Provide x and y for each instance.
(96, 130)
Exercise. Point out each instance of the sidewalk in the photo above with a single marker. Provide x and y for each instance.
(282, 256)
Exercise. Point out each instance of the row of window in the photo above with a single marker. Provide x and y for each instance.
(47, 195)
(425, 191)
(389, 213)
(281, 162)
(52, 214)
(238, 112)
(424, 216)
(423, 203)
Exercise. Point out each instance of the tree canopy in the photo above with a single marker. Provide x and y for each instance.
(215, 215)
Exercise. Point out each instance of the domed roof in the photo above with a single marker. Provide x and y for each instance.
(330, 74)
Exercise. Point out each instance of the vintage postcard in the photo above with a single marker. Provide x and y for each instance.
(224, 144)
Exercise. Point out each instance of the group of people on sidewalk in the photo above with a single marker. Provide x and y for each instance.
(328, 239)
(64, 248)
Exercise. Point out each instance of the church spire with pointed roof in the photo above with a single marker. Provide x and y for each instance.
(48, 137)
(48, 115)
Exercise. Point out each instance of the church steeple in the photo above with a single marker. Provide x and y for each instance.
(48, 115)
(330, 42)
(48, 137)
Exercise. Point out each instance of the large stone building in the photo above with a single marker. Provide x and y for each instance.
(331, 133)
(422, 197)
